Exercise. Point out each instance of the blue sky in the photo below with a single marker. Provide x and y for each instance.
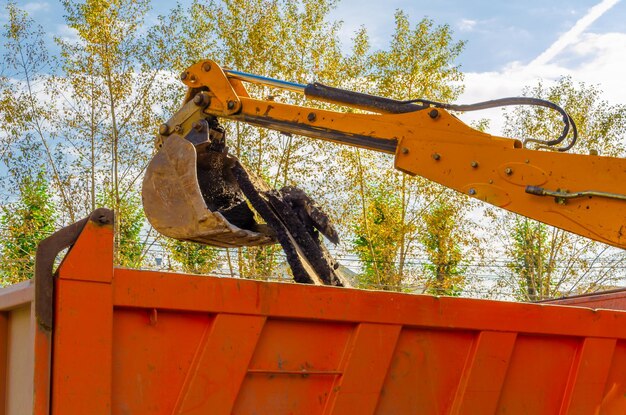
(498, 32)
(509, 44)
(514, 44)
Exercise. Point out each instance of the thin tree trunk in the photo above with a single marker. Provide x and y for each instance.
(48, 151)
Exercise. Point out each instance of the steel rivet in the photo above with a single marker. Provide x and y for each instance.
(178, 128)
(436, 156)
(405, 150)
(206, 66)
(508, 171)
(198, 99)
(472, 192)
(474, 164)
(433, 114)
(311, 117)
(230, 105)
(164, 129)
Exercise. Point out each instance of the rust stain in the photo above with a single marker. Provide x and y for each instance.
(267, 111)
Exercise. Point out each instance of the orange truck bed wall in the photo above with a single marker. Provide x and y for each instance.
(140, 342)
(614, 300)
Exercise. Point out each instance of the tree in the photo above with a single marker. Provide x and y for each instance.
(530, 260)
(192, 257)
(375, 239)
(107, 87)
(25, 222)
(129, 220)
(443, 242)
(25, 114)
(419, 63)
(542, 261)
(28, 213)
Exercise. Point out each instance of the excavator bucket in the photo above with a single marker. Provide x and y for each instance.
(190, 194)
(193, 190)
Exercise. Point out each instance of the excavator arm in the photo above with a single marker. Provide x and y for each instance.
(583, 194)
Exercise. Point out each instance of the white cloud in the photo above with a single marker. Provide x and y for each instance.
(596, 59)
(36, 6)
(467, 25)
(572, 35)
(66, 33)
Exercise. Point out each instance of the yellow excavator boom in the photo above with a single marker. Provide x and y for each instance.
(583, 194)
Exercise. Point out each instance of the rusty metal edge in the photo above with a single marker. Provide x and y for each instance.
(47, 252)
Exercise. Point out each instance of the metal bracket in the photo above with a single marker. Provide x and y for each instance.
(47, 251)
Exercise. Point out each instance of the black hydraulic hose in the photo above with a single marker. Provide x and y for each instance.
(568, 122)
(359, 99)
(393, 106)
(388, 105)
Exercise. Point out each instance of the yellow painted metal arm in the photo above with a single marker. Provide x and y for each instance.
(583, 194)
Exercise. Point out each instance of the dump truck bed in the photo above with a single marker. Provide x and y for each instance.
(126, 341)
(611, 299)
